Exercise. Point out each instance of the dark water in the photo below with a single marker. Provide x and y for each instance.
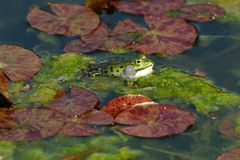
(218, 54)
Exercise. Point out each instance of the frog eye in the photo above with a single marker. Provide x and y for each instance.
(138, 61)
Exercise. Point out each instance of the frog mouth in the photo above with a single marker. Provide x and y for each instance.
(144, 72)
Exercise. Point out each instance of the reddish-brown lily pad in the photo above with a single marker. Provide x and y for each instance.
(4, 83)
(18, 63)
(230, 126)
(167, 36)
(201, 12)
(79, 101)
(233, 154)
(30, 124)
(150, 7)
(154, 120)
(119, 104)
(69, 19)
(78, 125)
(122, 35)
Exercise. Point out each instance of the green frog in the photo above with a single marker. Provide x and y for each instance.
(128, 69)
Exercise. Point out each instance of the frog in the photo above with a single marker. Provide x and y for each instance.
(128, 69)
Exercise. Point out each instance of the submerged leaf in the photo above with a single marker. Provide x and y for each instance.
(167, 36)
(150, 7)
(78, 125)
(69, 19)
(18, 63)
(119, 104)
(155, 120)
(201, 12)
(30, 124)
(230, 126)
(233, 154)
(79, 101)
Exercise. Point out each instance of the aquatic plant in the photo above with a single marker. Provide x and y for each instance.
(119, 104)
(29, 124)
(124, 33)
(232, 154)
(230, 126)
(69, 19)
(154, 120)
(175, 84)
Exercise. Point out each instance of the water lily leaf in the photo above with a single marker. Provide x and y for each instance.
(167, 36)
(122, 35)
(150, 7)
(201, 12)
(30, 124)
(233, 154)
(230, 126)
(155, 120)
(79, 101)
(4, 83)
(119, 104)
(18, 63)
(78, 125)
(69, 19)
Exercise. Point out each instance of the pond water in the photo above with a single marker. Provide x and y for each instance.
(216, 52)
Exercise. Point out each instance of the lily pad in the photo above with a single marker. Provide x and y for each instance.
(230, 126)
(150, 7)
(30, 124)
(18, 63)
(69, 19)
(4, 83)
(79, 101)
(233, 154)
(119, 104)
(155, 120)
(78, 125)
(201, 12)
(123, 34)
(167, 36)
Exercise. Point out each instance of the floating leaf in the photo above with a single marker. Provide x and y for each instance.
(155, 120)
(233, 154)
(119, 104)
(69, 19)
(79, 101)
(167, 36)
(30, 124)
(150, 7)
(122, 35)
(77, 126)
(18, 63)
(201, 12)
(4, 83)
(230, 126)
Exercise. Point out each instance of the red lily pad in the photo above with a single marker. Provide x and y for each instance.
(201, 12)
(18, 63)
(78, 126)
(120, 104)
(79, 101)
(4, 83)
(155, 120)
(30, 124)
(122, 35)
(228, 126)
(233, 154)
(167, 36)
(69, 19)
(150, 7)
